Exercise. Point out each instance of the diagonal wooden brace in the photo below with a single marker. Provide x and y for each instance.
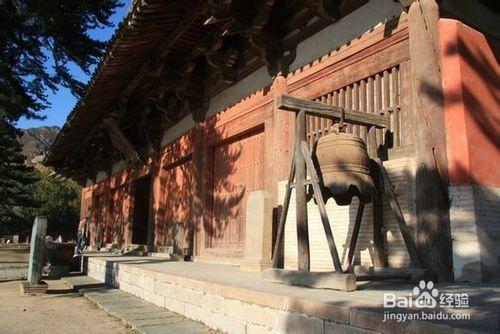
(396, 209)
(121, 143)
(321, 206)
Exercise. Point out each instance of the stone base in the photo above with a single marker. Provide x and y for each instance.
(226, 299)
(254, 265)
(27, 288)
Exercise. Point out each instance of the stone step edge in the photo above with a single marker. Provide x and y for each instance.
(94, 301)
(92, 284)
(356, 316)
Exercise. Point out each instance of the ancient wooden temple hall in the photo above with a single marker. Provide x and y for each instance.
(284, 164)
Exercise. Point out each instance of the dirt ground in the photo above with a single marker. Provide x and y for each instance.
(59, 311)
(56, 312)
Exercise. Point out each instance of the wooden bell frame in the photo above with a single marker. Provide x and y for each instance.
(303, 163)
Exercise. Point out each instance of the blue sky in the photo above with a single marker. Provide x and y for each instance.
(62, 102)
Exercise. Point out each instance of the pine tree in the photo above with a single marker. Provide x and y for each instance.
(36, 33)
(39, 41)
(15, 181)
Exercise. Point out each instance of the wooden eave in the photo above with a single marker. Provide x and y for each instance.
(155, 37)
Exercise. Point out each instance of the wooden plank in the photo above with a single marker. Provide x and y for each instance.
(396, 209)
(363, 105)
(355, 105)
(370, 109)
(322, 209)
(300, 195)
(378, 106)
(407, 125)
(379, 256)
(348, 105)
(395, 125)
(290, 103)
(284, 213)
(324, 123)
(355, 234)
(377, 273)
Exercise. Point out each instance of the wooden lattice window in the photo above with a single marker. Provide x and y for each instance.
(378, 93)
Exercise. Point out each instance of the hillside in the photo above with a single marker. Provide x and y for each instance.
(37, 141)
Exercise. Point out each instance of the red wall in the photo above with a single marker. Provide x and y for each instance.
(471, 92)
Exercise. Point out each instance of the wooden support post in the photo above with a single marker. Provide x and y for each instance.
(284, 213)
(37, 250)
(354, 235)
(379, 256)
(322, 209)
(377, 203)
(432, 207)
(300, 194)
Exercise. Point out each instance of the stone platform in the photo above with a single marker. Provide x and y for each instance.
(229, 300)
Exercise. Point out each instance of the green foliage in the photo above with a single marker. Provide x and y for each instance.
(39, 41)
(36, 33)
(16, 179)
(59, 201)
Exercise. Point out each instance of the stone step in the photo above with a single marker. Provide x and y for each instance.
(82, 282)
(142, 316)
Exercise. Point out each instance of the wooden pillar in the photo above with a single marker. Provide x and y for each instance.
(377, 203)
(379, 253)
(280, 131)
(199, 188)
(432, 207)
(37, 249)
(300, 194)
(130, 210)
(154, 170)
(156, 200)
(283, 134)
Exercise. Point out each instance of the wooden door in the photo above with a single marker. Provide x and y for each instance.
(177, 188)
(116, 225)
(98, 219)
(142, 208)
(237, 170)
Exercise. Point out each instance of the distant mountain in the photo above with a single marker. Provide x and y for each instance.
(36, 141)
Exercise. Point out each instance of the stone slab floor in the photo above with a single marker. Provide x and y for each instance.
(142, 316)
(484, 298)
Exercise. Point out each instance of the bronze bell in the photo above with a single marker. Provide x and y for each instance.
(344, 165)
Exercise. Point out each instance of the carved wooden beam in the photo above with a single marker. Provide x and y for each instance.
(121, 143)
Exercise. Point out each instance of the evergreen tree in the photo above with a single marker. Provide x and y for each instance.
(39, 41)
(36, 33)
(16, 179)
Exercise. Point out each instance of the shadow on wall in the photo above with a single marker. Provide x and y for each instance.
(473, 219)
(215, 195)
